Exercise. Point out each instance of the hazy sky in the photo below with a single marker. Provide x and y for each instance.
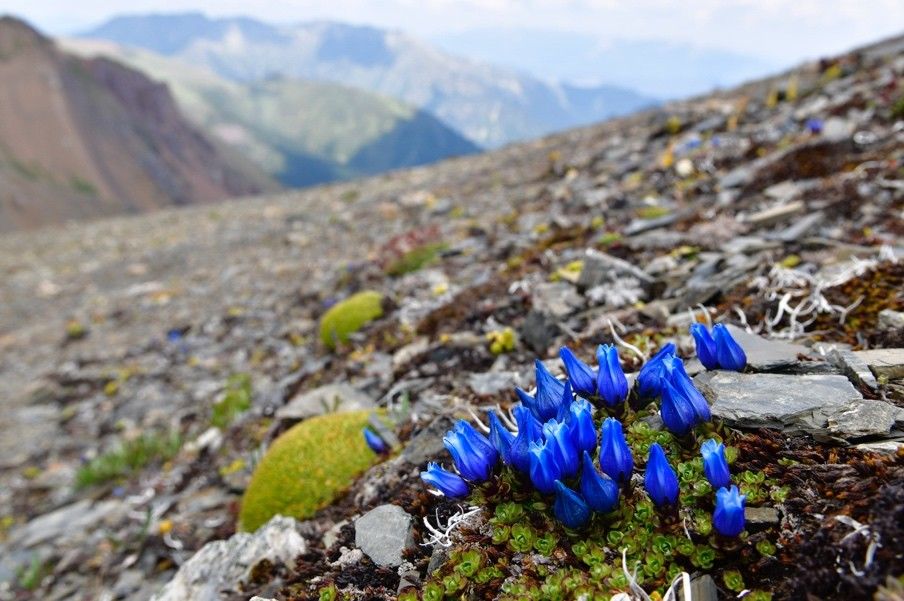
(778, 30)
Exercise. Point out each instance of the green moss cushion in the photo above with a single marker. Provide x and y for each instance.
(347, 317)
(306, 468)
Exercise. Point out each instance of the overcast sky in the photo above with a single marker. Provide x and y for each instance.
(777, 30)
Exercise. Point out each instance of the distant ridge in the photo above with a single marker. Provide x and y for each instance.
(88, 138)
(302, 132)
(489, 105)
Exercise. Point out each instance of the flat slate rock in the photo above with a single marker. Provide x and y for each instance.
(884, 362)
(325, 399)
(766, 355)
(853, 367)
(383, 533)
(224, 564)
(826, 406)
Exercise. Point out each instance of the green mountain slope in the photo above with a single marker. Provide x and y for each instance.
(303, 132)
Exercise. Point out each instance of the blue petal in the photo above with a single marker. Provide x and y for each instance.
(500, 437)
(445, 481)
(569, 507)
(676, 410)
(728, 352)
(473, 454)
(582, 378)
(373, 440)
(682, 382)
(529, 431)
(583, 430)
(599, 491)
(706, 346)
(715, 465)
(728, 517)
(610, 380)
(543, 468)
(615, 454)
(562, 446)
(550, 392)
(652, 372)
(659, 479)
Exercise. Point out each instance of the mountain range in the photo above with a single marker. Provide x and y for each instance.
(84, 138)
(302, 132)
(653, 67)
(489, 105)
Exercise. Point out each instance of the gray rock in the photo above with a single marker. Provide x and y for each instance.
(494, 382)
(325, 399)
(69, 520)
(884, 447)
(891, 320)
(703, 588)
(766, 355)
(128, 582)
(437, 559)
(761, 517)
(885, 363)
(854, 367)
(556, 299)
(223, 564)
(865, 418)
(638, 226)
(600, 268)
(775, 214)
(427, 443)
(827, 406)
(799, 228)
(836, 129)
(383, 533)
(538, 331)
(740, 176)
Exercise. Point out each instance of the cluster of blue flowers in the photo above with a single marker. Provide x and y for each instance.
(557, 437)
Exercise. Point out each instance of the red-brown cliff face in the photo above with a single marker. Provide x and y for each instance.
(87, 138)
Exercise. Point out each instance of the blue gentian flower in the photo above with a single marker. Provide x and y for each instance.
(582, 378)
(564, 449)
(685, 386)
(615, 454)
(599, 491)
(728, 352)
(500, 437)
(611, 383)
(529, 430)
(473, 454)
(550, 392)
(373, 440)
(705, 345)
(715, 465)
(544, 470)
(564, 412)
(676, 410)
(728, 517)
(814, 125)
(652, 372)
(569, 507)
(446, 482)
(583, 430)
(659, 478)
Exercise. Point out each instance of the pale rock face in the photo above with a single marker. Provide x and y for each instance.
(223, 564)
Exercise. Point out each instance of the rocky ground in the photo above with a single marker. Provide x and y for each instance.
(776, 207)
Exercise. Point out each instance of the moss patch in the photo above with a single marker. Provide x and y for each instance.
(306, 468)
(347, 317)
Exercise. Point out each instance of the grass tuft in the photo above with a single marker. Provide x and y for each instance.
(128, 458)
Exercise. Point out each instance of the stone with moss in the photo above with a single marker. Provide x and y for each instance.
(306, 468)
(348, 316)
